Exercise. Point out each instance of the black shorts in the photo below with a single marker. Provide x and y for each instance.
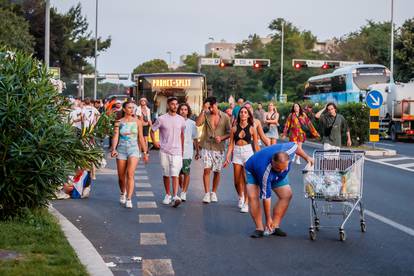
(145, 131)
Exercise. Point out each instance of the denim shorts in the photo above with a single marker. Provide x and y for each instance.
(267, 191)
(128, 149)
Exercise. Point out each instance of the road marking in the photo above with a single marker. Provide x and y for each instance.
(391, 165)
(141, 172)
(144, 193)
(153, 239)
(149, 219)
(146, 204)
(142, 185)
(393, 159)
(106, 171)
(407, 165)
(384, 144)
(141, 177)
(157, 267)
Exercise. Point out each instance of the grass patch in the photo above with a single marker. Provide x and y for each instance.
(44, 247)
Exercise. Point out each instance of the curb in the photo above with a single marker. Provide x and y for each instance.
(373, 153)
(86, 252)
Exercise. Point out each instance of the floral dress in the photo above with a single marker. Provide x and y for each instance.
(294, 128)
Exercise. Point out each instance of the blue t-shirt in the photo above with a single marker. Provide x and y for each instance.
(260, 164)
(235, 111)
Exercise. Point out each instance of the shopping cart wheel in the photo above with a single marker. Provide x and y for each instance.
(317, 224)
(312, 235)
(342, 235)
(363, 226)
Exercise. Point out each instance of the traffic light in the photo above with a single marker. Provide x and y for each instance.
(226, 63)
(325, 66)
(261, 63)
(299, 64)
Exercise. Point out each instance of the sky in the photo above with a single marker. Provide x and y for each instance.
(144, 30)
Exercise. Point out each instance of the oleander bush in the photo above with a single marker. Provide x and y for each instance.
(39, 149)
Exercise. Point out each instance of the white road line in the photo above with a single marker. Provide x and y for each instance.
(152, 239)
(384, 144)
(144, 194)
(387, 221)
(146, 204)
(391, 165)
(407, 165)
(141, 172)
(141, 177)
(394, 159)
(149, 219)
(142, 185)
(157, 267)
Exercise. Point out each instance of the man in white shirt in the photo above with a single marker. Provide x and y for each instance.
(76, 115)
(190, 142)
(90, 114)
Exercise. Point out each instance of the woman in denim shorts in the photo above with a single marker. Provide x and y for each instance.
(127, 133)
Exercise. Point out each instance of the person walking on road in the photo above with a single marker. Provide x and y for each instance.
(236, 109)
(296, 124)
(260, 113)
(272, 122)
(267, 171)
(171, 145)
(258, 126)
(190, 142)
(243, 137)
(127, 134)
(216, 130)
(144, 113)
(332, 126)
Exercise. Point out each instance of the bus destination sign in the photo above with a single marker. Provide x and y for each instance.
(179, 83)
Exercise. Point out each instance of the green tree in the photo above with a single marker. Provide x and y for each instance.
(190, 63)
(14, 31)
(404, 52)
(152, 66)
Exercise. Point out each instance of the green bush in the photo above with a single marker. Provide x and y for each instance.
(39, 149)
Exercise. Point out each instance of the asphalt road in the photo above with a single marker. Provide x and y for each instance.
(213, 239)
(405, 147)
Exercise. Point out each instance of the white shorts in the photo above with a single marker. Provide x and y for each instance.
(241, 154)
(212, 159)
(171, 164)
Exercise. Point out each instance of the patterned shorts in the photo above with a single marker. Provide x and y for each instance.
(212, 159)
(186, 166)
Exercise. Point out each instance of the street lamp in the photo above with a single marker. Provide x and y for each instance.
(281, 59)
(392, 41)
(47, 33)
(169, 53)
(95, 85)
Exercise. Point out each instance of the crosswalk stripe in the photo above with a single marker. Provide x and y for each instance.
(157, 267)
(394, 159)
(390, 165)
(142, 185)
(146, 204)
(149, 218)
(153, 239)
(141, 177)
(407, 165)
(144, 194)
(141, 172)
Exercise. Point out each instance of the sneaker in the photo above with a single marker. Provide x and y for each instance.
(86, 191)
(241, 202)
(167, 200)
(244, 208)
(183, 196)
(122, 199)
(207, 198)
(297, 161)
(176, 201)
(278, 232)
(213, 197)
(128, 204)
(257, 234)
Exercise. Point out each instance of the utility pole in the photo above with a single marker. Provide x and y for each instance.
(95, 86)
(47, 34)
(170, 60)
(392, 41)
(281, 59)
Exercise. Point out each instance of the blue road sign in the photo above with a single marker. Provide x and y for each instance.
(374, 99)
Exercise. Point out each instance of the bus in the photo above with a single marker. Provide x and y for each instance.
(190, 88)
(347, 84)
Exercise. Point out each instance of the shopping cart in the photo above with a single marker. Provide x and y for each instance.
(337, 177)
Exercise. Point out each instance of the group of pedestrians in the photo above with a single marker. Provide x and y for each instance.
(224, 140)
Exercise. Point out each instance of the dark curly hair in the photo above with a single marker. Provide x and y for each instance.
(188, 108)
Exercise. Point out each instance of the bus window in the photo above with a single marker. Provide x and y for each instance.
(364, 77)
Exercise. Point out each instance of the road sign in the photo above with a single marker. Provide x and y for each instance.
(374, 125)
(209, 61)
(243, 62)
(55, 71)
(320, 63)
(374, 99)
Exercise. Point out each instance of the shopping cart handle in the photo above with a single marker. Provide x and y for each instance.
(341, 151)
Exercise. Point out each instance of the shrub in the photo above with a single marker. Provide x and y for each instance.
(39, 149)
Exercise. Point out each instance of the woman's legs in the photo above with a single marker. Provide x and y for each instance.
(130, 174)
(121, 166)
(238, 175)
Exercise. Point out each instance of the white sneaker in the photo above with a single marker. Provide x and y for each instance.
(86, 191)
(244, 208)
(128, 204)
(241, 202)
(183, 196)
(297, 161)
(122, 199)
(167, 200)
(207, 198)
(213, 197)
(176, 201)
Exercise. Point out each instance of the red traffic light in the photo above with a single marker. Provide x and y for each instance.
(298, 66)
(226, 63)
(222, 65)
(325, 66)
(256, 65)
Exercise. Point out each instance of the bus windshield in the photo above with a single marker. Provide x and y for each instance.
(187, 88)
(364, 77)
